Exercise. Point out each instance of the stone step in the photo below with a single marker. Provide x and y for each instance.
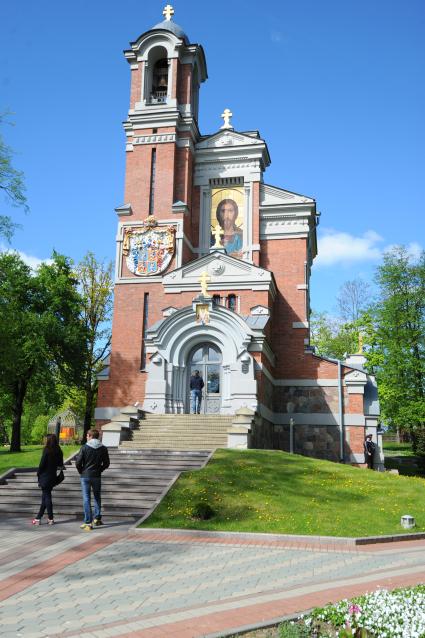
(167, 446)
(75, 488)
(76, 511)
(74, 497)
(131, 487)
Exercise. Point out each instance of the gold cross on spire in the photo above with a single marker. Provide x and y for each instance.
(203, 280)
(168, 12)
(226, 115)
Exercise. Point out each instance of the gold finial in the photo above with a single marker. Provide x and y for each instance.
(168, 12)
(217, 232)
(360, 351)
(226, 115)
(203, 280)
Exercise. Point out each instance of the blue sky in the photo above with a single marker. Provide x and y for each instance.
(335, 88)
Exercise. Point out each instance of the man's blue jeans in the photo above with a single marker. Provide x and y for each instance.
(195, 401)
(94, 484)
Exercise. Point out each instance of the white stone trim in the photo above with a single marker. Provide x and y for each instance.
(311, 418)
(302, 286)
(300, 324)
(163, 138)
(170, 344)
(106, 413)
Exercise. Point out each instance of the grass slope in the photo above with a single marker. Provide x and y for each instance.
(276, 492)
(29, 457)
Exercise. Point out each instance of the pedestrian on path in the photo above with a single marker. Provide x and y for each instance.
(369, 451)
(91, 461)
(196, 385)
(48, 474)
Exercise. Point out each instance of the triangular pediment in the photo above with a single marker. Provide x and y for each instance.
(273, 196)
(225, 273)
(229, 137)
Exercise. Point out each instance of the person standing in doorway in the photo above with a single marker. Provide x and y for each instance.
(50, 464)
(369, 451)
(196, 385)
(91, 461)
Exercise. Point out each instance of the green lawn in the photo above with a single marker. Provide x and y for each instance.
(276, 492)
(29, 457)
(397, 449)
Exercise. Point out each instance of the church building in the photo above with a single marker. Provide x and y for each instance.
(213, 274)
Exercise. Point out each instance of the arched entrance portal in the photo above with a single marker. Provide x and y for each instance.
(207, 359)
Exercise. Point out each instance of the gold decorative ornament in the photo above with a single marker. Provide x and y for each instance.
(168, 12)
(360, 350)
(226, 115)
(203, 280)
(202, 314)
(218, 232)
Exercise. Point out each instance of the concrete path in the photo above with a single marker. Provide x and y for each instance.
(117, 581)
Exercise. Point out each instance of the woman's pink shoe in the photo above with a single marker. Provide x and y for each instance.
(35, 521)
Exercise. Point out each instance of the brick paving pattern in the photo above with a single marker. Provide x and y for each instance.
(116, 581)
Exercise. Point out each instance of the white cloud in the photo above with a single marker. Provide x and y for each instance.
(342, 248)
(32, 262)
(414, 249)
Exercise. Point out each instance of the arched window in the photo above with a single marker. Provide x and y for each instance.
(231, 302)
(216, 300)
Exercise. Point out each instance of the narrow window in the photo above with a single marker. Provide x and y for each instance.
(144, 330)
(152, 185)
(216, 300)
(231, 302)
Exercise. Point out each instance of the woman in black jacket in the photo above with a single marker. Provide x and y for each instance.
(51, 462)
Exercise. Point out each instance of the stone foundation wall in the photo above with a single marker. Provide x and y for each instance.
(317, 441)
(307, 399)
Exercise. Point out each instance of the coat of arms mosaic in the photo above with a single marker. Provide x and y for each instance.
(148, 249)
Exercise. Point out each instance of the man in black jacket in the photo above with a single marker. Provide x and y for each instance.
(196, 385)
(91, 461)
(369, 451)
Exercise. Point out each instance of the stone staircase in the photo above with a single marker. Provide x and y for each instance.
(132, 486)
(178, 432)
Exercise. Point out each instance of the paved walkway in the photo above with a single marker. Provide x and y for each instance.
(116, 581)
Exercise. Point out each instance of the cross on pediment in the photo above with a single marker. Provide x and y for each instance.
(168, 12)
(226, 115)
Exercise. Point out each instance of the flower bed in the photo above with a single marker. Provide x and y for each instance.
(381, 614)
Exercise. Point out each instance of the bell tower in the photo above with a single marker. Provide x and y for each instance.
(162, 124)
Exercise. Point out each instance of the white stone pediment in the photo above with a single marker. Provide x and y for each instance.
(225, 272)
(260, 310)
(273, 196)
(229, 138)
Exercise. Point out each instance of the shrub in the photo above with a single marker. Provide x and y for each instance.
(202, 511)
(291, 630)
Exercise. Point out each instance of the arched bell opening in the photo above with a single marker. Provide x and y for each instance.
(158, 76)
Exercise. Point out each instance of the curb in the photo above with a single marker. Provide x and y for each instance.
(239, 631)
(325, 540)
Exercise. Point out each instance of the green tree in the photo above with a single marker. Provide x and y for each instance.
(331, 337)
(397, 354)
(96, 287)
(12, 185)
(40, 331)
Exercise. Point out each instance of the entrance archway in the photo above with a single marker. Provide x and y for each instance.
(207, 358)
